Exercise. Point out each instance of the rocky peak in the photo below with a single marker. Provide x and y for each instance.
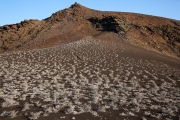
(75, 11)
(76, 5)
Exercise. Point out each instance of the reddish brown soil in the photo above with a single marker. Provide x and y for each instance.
(155, 33)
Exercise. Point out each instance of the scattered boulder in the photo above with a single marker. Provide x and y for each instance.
(14, 27)
(6, 27)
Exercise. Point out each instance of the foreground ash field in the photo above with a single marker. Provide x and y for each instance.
(89, 79)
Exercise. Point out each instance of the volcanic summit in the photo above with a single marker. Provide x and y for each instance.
(156, 33)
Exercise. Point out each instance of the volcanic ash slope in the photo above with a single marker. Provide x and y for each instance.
(89, 79)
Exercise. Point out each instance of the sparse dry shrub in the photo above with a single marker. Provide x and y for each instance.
(102, 108)
(9, 102)
(35, 116)
(87, 108)
(95, 79)
(26, 106)
(13, 114)
(70, 109)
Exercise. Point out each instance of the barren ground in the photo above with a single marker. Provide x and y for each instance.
(89, 79)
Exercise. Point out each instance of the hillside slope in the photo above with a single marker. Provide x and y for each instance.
(77, 21)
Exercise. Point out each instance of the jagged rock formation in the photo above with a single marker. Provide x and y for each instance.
(111, 23)
(77, 21)
(17, 34)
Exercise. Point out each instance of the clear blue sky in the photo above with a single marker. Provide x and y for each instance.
(14, 11)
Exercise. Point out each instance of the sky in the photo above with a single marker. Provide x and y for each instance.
(15, 11)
